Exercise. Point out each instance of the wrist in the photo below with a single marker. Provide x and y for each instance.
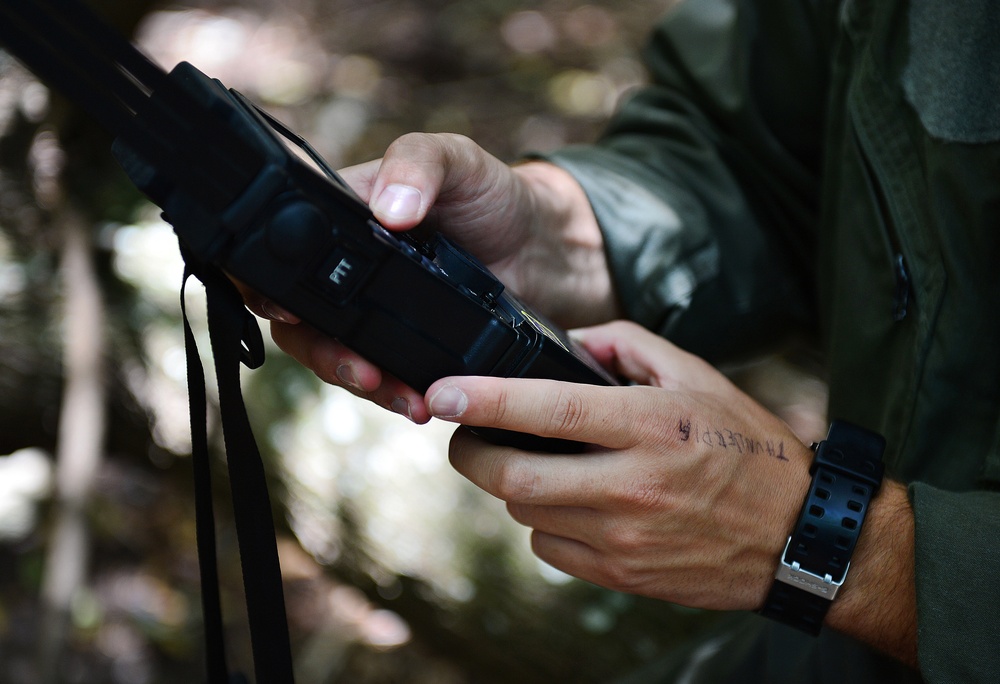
(878, 602)
(562, 268)
(846, 476)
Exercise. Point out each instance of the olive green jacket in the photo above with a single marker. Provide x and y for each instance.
(833, 167)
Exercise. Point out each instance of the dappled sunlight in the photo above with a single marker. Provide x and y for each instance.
(395, 567)
(25, 481)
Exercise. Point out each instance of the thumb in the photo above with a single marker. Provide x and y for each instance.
(399, 206)
(646, 358)
(408, 180)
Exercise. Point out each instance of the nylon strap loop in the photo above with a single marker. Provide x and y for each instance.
(235, 337)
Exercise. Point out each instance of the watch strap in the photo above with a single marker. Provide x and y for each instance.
(846, 475)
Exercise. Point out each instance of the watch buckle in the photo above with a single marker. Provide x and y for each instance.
(819, 585)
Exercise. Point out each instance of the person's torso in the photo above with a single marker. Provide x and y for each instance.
(910, 246)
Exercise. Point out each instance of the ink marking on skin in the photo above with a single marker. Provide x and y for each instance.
(726, 438)
(735, 440)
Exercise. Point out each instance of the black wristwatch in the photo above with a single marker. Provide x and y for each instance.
(846, 474)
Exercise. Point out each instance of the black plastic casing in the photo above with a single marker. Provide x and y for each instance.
(419, 309)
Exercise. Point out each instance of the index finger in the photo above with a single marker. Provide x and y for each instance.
(604, 416)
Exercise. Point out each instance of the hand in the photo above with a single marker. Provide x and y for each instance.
(530, 224)
(688, 494)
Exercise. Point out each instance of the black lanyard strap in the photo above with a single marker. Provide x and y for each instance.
(235, 337)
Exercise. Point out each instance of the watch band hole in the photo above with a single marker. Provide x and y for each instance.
(849, 523)
(823, 494)
(817, 511)
(860, 491)
(843, 543)
(855, 506)
(810, 530)
(827, 478)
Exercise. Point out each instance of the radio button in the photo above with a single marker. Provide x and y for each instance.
(342, 271)
(296, 231)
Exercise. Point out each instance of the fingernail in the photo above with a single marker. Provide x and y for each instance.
(402, 407)
(448, 402)
(346, 375)
(273, 312)
(398, 202)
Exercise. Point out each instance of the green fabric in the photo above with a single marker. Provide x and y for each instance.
(955, 57)
(744, 649)
(821, 167)
(963, 612)
(696, 145)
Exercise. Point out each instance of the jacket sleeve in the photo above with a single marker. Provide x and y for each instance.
(957, 589)
(706, 182)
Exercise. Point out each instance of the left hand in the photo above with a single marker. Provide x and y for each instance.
(687, 495)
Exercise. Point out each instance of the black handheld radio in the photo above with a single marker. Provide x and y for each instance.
(249, 198)
(247, 195)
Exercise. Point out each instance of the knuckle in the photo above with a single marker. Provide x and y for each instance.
(640, 494)
(648, 410)
(568, 412)
(626, 541)
(649, 422)
(493, 407)
(429, 145)
(455, 138)
(408, 156)
(501, 407)
(408, 141)
(616, 574)
(513, 481)
(647, 496)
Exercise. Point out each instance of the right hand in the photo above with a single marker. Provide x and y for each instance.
(531, 225)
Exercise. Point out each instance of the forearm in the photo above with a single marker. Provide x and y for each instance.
(878, 603)
(705, 183)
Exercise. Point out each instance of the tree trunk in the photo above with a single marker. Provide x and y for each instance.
(80, 440)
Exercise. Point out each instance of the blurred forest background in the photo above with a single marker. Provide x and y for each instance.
(395, 568)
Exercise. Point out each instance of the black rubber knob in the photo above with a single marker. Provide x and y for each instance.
(296, 231)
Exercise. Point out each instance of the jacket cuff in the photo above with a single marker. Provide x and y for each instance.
(657, 255)
(958, 590)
